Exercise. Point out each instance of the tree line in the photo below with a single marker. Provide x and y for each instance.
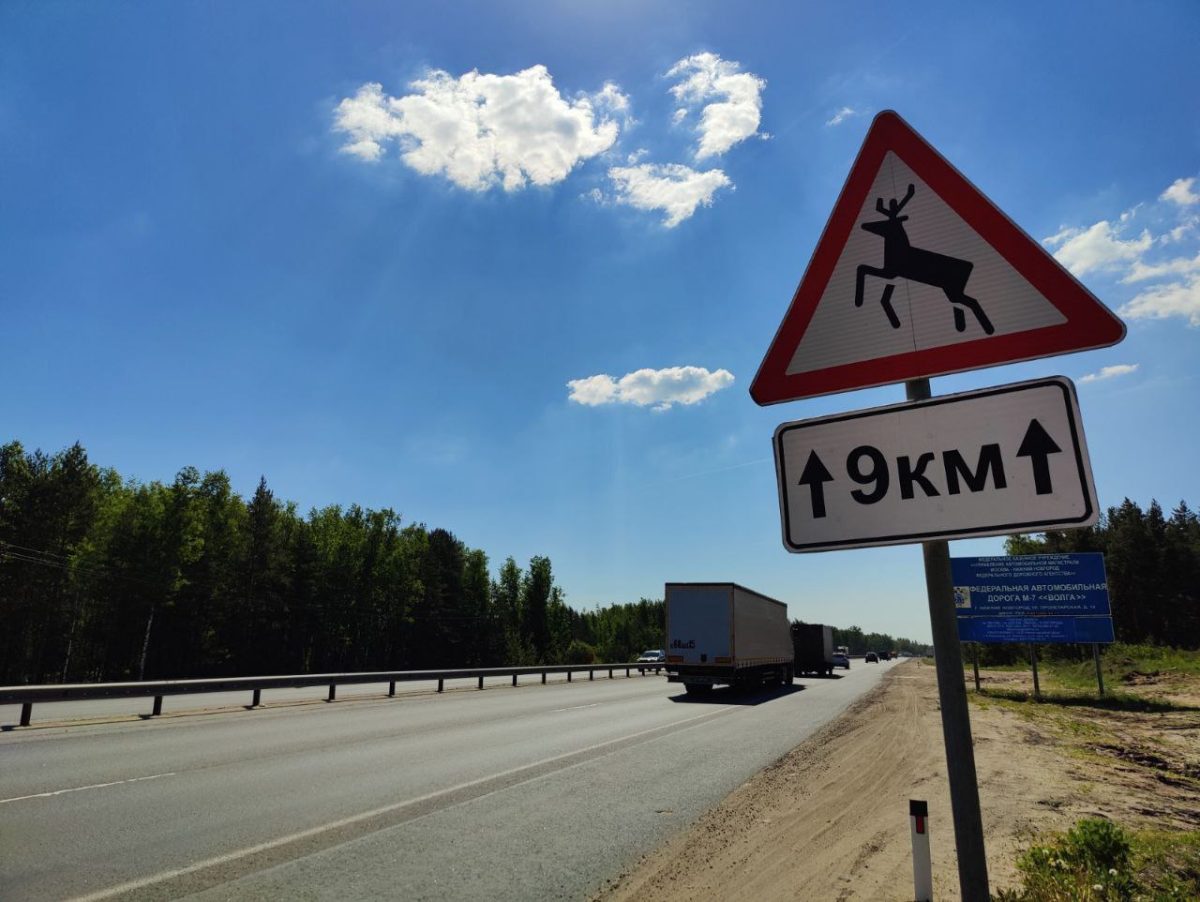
(103, 578)
(1152, 566)
(859, 642)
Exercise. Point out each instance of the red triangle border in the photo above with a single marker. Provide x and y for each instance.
(1089, 324)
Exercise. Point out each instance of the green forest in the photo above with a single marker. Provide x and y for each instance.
(104, 579)
(1152, 566)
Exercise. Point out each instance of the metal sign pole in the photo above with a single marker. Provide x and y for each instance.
(975, 663)
(956, 721)
(1037, 687)
(1099, 672)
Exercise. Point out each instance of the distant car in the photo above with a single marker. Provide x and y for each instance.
(841, 660)
(871, 658)
(655, 656)
(885, 656)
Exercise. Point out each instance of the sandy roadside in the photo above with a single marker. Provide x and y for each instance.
(830, 819)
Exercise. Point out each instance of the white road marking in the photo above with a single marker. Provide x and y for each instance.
(576, 707)
(366, 815)
(58, 792)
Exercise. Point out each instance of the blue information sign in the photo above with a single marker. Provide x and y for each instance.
(1032, 598)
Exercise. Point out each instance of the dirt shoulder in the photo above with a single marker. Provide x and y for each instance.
(830, 819)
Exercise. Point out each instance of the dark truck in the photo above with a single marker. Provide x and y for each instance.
(812, 644)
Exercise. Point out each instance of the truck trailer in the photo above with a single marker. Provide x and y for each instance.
(813, 646)
(721, 634)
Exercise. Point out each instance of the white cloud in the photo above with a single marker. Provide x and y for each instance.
(593, 391)
(732, 100)
(482, 130)
(1097, 248)
(1111, 248)
(1181, 298)
(1179, 266)
(1108, 372)
(675, 189)
(658, 389)
(842, 115)
(1181, 232)
(1181, 193)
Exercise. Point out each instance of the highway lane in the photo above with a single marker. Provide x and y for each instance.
(504, 794)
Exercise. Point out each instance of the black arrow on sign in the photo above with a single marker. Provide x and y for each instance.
(815, 476)
(1038, 446)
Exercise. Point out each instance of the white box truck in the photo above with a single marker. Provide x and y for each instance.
(721, 634)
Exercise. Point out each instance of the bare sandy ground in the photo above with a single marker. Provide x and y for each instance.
(830, 819)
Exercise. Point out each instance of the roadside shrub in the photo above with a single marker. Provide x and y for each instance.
(579, 652)
(1090, 863)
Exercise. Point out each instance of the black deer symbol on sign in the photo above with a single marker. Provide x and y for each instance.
(902, 260)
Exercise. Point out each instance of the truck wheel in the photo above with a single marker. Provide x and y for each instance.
(788, 675)
(697, 689)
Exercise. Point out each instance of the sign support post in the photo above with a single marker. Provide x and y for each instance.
(975, 663)
(956, 721)
(1099, 672)
(1037, 687)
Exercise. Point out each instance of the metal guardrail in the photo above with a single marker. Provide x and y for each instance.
(27, 696)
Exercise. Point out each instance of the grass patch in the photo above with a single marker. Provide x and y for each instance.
(1120, 663)
(1112, 701)
(1099, 860)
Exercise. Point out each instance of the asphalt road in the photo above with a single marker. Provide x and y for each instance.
(535, 792)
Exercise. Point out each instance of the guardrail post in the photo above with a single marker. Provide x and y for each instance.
(481, 682)
(591, 674)
(610, 670)
(439, 685)
(26, 713)
(626, 671)
(543, 678)
(514, 679)
(256, 698)
(568, 676)
(332, 692)
(157, 706)
(391, 688)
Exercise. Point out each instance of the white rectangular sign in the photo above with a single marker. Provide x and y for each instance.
(1001, 460)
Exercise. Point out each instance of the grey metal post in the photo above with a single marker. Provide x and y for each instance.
(543, 678)
(956, 719)
(391, 688)
(26, 713)
(481, 682)
(1099, 672)
(256, 698)
(440, 682)
(514, 679)
(591, 674)
(975, 662)
(1037, 686)
(332, 692)
(157, 706)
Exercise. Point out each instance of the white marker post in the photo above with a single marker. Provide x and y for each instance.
(918, 820)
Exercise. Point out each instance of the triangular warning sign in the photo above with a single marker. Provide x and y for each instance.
(918, 274)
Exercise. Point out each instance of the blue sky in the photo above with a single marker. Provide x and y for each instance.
(364, 249)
